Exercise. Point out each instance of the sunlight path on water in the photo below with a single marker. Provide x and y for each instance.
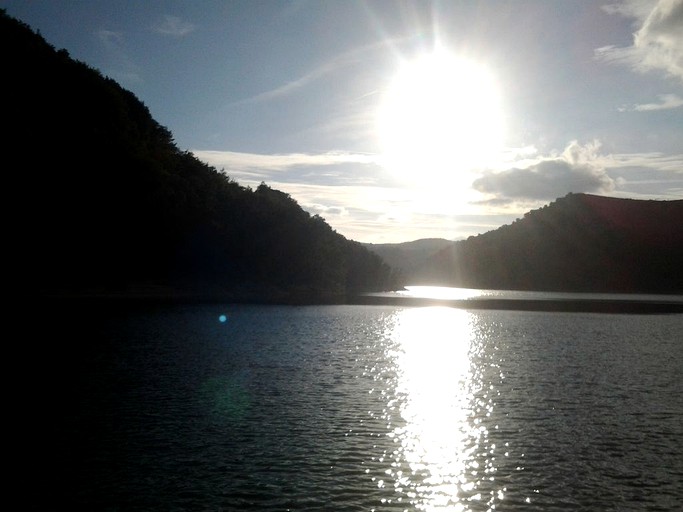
(442, 292)
(443, 459)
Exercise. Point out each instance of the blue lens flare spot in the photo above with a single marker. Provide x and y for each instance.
(222, 319)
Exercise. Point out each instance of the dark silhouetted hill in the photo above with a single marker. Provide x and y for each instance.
(580, 242)
(103, 200)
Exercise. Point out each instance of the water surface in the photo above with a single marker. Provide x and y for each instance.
(358, 408)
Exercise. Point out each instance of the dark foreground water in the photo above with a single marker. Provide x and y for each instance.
(352, 408)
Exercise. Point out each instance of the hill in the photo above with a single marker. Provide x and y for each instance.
(105, 202)
(578, 243)
(407, 257)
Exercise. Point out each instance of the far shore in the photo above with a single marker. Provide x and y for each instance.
(582, 305)
(174, 295)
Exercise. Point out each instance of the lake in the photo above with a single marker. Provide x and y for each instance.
(353, 408)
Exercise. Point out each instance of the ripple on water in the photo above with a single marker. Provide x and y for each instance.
(361, 408)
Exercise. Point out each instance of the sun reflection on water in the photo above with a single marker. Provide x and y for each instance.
(437, 463)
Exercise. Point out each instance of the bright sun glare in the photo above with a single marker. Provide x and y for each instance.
(440, 118)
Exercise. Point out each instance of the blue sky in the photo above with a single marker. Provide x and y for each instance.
(509, 104)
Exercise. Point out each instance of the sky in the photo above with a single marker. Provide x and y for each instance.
(400, 120)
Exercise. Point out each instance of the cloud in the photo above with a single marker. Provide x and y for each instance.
(172, 26)
(639, 9)
(656, 161)
(110, 39)
(333, 169)
(280, 162)
(383, 215)
(121, 67)
(577, 169)
(658, 42)
(327, 211)
(289, 87)
(343, 60)
(666, 102)
(346, 190)
(350, 192)
(650, 183)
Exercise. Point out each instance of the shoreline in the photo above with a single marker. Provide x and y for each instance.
(582, 305)
(178, 297)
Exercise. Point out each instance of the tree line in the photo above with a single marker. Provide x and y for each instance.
(104, 198)
(578, 243)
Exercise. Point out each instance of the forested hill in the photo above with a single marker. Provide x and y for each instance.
(104, 201)
(580, 242)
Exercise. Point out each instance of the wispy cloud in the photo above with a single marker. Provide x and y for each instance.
(121, 67)
(666, 102)
(279, 162)
(630, 8)
(339, 62)
(292, 86)
(110, 39)
(656, 161)
(172, 26)
(658, 42)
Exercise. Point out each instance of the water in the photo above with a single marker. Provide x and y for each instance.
(354, 408)
(452, 293)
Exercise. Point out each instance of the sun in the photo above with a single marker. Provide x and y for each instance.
(440, 118)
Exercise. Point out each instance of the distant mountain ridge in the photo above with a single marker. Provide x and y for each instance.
(578, 243)
(407, 257)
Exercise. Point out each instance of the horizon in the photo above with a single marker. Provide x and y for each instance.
(339, 106)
